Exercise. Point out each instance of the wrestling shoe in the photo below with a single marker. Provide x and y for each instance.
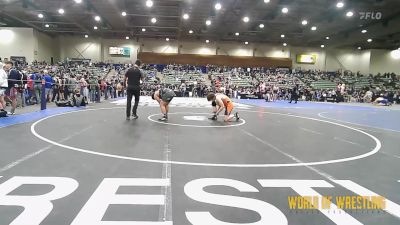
(237, 117)
(164, 119)
(213, 118)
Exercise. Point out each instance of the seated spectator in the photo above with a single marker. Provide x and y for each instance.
(77, 100)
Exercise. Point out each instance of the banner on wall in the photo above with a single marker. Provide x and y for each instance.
(306, 58)
(118, 51)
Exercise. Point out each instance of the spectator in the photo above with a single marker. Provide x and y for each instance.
(3, 88)
(14, 78)
(48, 85)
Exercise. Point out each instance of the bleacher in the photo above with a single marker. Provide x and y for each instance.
(95, 71)
(281, 81)
(176, 77)
(323, 85)
(240, 82)
(362, 82)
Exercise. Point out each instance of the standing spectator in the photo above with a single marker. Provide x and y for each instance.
(93, 88)
(48, 85)
(120, 90)
(103, 88)
(66, 85)
(56, 89)
(84, 87)
(30, 86)
(72, 86)
(14, 78)
(294, 95)
(3, 87)
(183, 89)
(37, 80)
(62, 87)
(22, 87)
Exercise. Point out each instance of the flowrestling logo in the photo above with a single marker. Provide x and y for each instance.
(370, 15)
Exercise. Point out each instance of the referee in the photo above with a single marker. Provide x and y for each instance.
(132, 80)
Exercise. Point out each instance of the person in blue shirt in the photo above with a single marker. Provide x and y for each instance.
(37, 85)
(49, 84)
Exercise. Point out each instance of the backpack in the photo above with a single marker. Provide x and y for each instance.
(3, 113)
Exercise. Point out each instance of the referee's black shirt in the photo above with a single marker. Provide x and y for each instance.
(134, 76)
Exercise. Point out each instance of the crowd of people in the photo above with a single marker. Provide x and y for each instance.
(282, 84)
(22, 84)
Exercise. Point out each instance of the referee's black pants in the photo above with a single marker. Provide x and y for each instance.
(130, 93)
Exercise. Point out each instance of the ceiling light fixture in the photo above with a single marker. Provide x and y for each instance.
(123, 13)
(167, 39)
(285, 10)
(261, 26)
(327, 38)
(246, 43)
(266, 1)
(149, 3)
(207, 41)
(237, 34)
(364, 31)
(190, 31)
(314, 28)
(97, 18)
(284, 44)
(322, 46)
(143, 29)
(47, 25)
(304, 22)
(127, 38)
(61, 11)
(153, 20)
(86, 36)
(40, 15)
(78, 1)
(95, 27)
(282, 36)
(359, 48)
(369, 40)
(218, 6)
(349, 14)
(246, 19)
(340, 5)
(208, 22)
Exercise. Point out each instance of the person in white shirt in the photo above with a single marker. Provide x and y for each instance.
(368, 96)
(3, 87)
(343, 89)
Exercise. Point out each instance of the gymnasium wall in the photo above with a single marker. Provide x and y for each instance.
(36, 45)
(348, 59)
(222, 60)
(46, 47)
(212, 48)
(79, 47)
(383, 61)
(17, 42)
